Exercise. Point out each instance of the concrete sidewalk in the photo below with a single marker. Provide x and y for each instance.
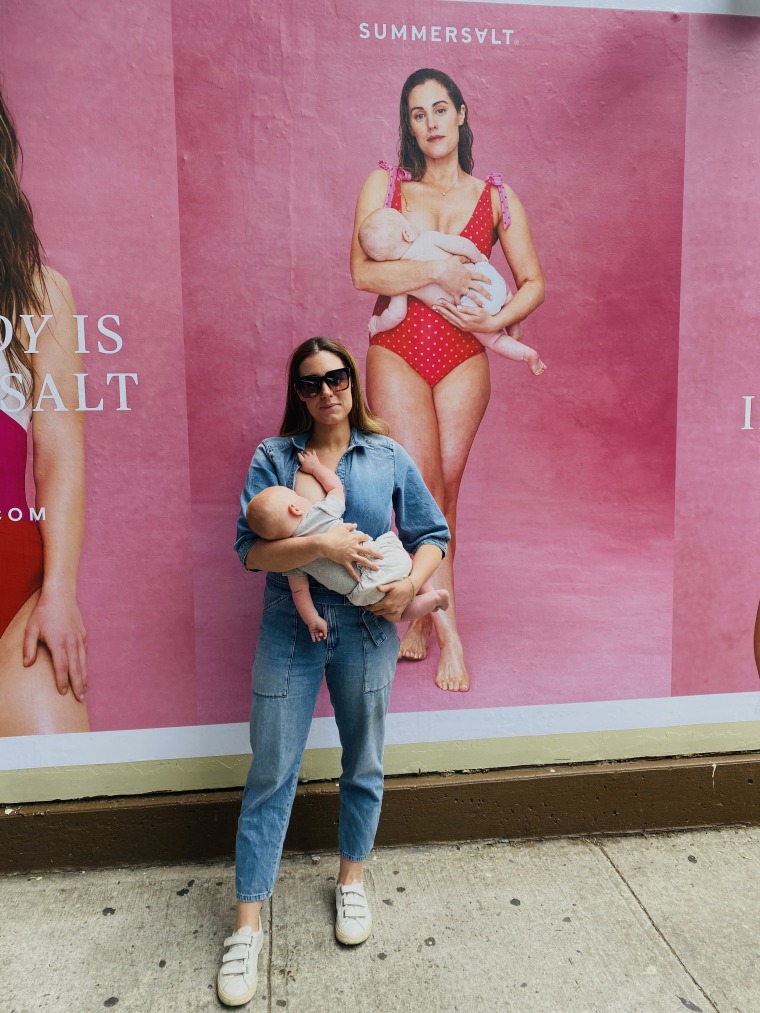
(625, 925)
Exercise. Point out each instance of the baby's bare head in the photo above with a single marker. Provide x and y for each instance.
(268, 514)
(386, 234)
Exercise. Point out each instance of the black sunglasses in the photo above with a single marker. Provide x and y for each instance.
(311, 385)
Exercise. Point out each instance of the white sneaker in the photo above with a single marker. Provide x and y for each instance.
(238, 976)
(353, 922)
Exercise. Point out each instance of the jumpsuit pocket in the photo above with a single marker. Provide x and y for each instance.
(375, 626)
(273, 598)
(380, 643)
(276, 645)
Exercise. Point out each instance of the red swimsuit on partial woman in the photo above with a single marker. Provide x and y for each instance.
(20, 540)
(431, 345)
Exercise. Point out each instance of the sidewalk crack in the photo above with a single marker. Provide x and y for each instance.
(650, 919)
(270, 955)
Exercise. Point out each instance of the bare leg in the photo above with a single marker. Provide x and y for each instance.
(459, 402)
(510, 348)
(249, 913)
(30, 703)
(393, 387)
(350, 872)
(461, 399)
(427, 600)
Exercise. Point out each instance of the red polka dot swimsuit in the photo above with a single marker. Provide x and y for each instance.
(431, 345)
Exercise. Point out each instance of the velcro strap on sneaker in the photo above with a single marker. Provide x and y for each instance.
(236, 939)
(233, 966)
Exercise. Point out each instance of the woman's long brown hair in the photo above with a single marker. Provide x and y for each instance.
(20, 259)
(296, 418)
(409, 154)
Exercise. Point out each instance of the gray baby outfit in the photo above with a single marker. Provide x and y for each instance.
(395, 564)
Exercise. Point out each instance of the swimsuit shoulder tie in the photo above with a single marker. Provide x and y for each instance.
(394, 172)
(496, 179)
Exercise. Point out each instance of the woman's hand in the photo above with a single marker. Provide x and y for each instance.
(57, 623)
(467, 318)
(460, 279)
(343, 544)
(398, 596)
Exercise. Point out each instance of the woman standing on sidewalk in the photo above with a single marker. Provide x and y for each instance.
(325, 412)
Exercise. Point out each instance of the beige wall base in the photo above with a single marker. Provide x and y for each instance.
(214, 772)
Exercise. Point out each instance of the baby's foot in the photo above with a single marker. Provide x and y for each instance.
(442, 600)
(414, 644)
(533, 359)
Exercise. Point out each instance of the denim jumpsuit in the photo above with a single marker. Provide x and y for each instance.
(358, 658)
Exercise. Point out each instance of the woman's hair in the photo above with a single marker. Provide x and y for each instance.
(409, 154)
(20, 260)
(296, 418)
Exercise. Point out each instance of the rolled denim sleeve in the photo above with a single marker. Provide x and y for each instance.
(261, 474)
(418, 517)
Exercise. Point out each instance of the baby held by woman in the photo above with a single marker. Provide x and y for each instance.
(387, 235)
(278, 512)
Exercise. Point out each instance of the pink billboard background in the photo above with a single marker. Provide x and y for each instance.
(718, 479)
(198, 179)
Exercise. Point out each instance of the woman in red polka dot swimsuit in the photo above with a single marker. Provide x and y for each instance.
(428, 377)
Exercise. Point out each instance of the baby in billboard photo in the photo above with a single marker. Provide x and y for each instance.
(387, 235)
(278, 512)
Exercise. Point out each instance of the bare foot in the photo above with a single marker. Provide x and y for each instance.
(534, 362)
(452, 675)
(414, 643)
(443, 599)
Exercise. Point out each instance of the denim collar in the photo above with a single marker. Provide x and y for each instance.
(358, 439)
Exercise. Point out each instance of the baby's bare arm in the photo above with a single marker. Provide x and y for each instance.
(458, 246)
(310, 463)
(299, 588)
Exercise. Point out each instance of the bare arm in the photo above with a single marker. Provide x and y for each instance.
(398, 277)
(299, 588)
(458, 246)
(311, 465)
(520, 251)
(59, 480)
(342, 544)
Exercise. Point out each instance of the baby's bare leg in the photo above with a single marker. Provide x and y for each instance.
(510, 348)
(428, 599)
(390, 317)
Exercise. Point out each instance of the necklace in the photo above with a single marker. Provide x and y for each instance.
(443, 193)
(330, 453)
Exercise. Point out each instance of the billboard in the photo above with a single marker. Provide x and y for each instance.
(197, 192)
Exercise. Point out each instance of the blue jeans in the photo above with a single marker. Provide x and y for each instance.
(358, 659)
